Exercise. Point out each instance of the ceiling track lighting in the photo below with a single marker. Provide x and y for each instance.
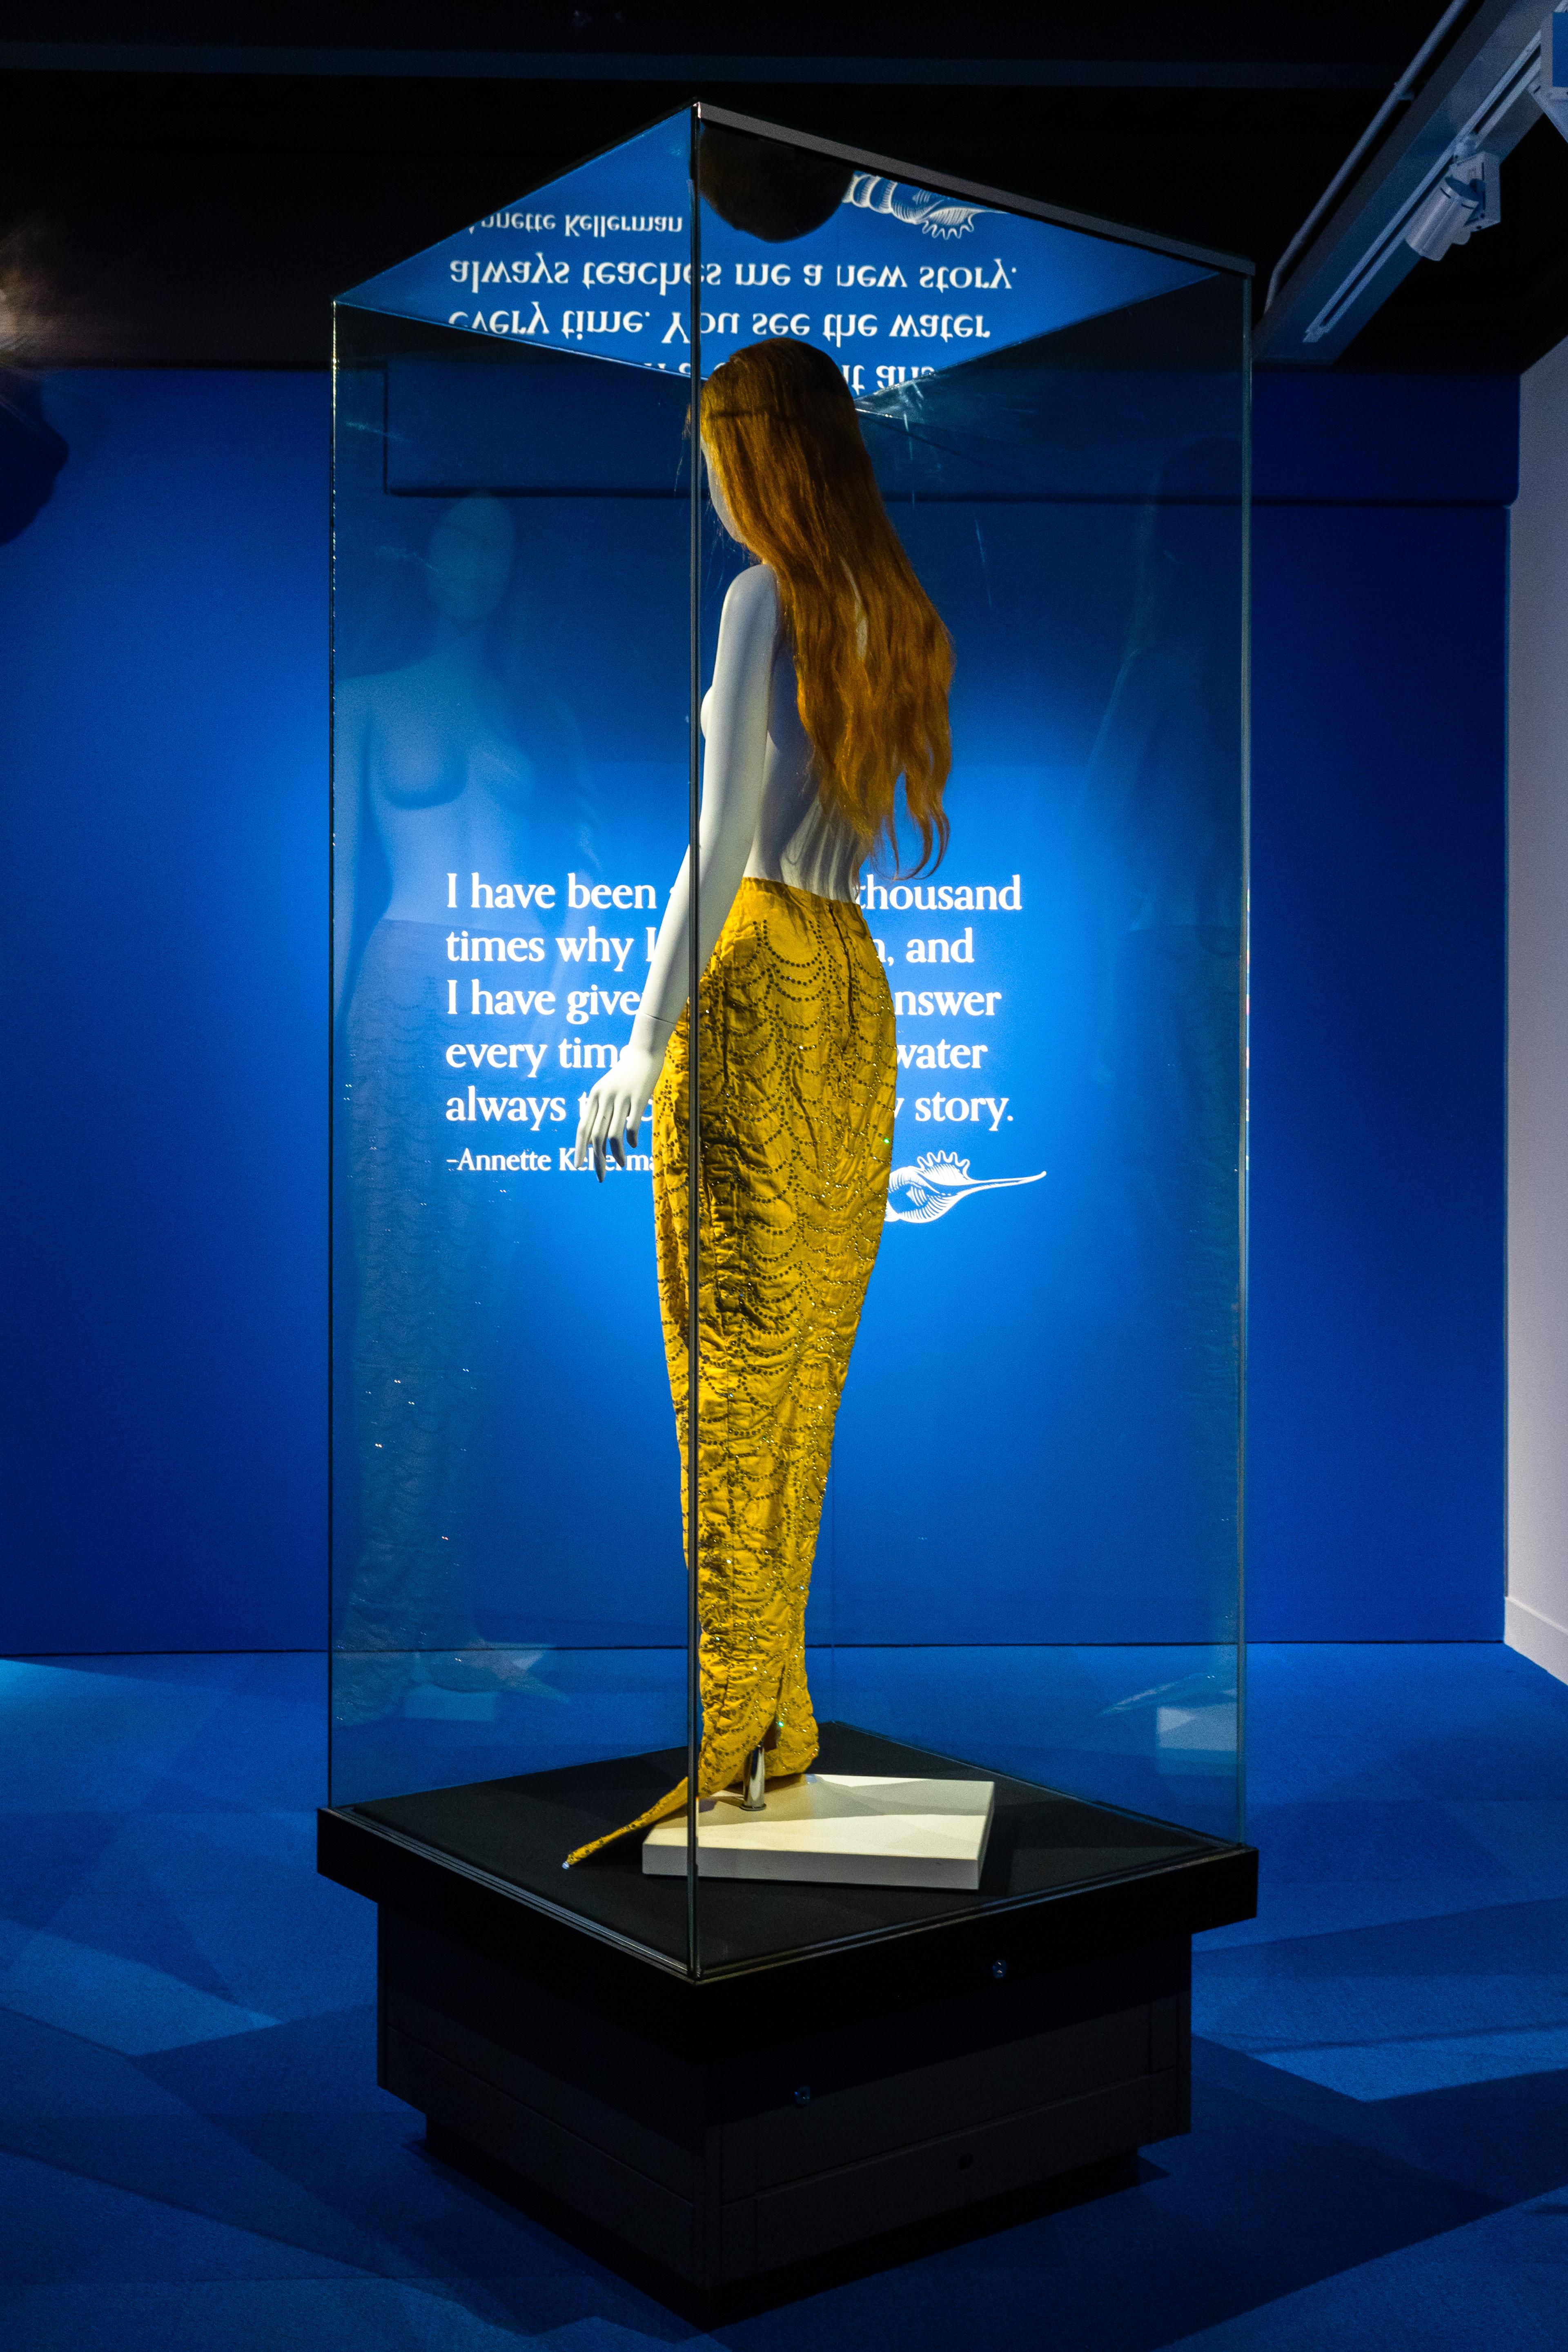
(1469, 197)
(1427, 184)
(1462, 190)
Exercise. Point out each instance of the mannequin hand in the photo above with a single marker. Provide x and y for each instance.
(614, 1106)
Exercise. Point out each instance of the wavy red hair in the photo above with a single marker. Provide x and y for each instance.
(780, 431)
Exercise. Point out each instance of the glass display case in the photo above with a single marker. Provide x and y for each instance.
(1016, 1680)
(1028, 1558)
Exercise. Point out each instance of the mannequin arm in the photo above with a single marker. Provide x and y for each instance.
(732, 773)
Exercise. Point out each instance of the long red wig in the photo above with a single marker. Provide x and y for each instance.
(872, 658)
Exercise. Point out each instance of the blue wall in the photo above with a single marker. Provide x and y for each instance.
(1376, 1506)
(161, 668)
(162, 677)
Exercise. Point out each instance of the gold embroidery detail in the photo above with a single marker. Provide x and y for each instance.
(798, 1075)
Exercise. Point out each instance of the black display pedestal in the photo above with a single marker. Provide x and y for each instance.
(934, 2054)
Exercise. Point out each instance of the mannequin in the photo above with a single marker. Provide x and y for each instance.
(830, 680)
(443, 766)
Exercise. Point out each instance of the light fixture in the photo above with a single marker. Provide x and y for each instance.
(1476, 85)
(1467, 196)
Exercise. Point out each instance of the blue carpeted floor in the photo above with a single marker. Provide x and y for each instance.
(195, 2156)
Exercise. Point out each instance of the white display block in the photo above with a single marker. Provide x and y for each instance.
(842, 1828)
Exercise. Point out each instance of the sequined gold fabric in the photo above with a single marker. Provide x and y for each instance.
(797, 1071)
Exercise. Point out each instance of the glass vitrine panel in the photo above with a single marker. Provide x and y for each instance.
(1025, 1579)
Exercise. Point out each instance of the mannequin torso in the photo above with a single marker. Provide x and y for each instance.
(797, 841)
(761, 816)
(446, 785)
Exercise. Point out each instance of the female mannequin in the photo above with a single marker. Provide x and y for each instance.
(830, 680)
(457, 760)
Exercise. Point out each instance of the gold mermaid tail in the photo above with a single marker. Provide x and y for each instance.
(798, 1075)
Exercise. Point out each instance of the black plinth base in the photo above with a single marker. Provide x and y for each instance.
(924, 2056)
(752, 2159)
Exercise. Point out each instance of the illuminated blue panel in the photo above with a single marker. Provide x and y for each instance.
(898, 282)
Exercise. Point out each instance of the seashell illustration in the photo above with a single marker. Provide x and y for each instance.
(936, 1183)
(937, 215)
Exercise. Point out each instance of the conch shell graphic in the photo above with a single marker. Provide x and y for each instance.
(937, 215)
(936, 1183)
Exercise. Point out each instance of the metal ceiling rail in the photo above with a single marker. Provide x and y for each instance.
(1479, 92)
(1404, 89)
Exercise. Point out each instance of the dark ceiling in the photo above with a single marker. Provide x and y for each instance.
(188, 186)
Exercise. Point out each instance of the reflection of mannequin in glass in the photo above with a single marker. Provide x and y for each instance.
(830, 678)
(1159, 834)
(454, 765)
